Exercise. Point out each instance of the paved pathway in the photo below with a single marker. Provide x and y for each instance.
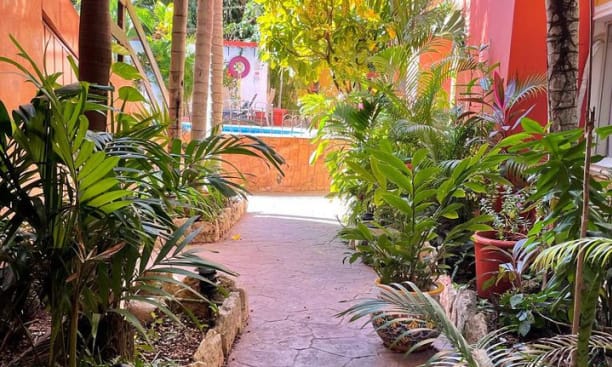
(291, 267)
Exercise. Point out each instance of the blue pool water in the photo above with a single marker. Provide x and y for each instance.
(255, 130)
(258, 130)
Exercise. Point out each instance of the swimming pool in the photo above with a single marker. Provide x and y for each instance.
(260, 130)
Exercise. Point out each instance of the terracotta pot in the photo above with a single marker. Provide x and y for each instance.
(488, 260)
(390, 330)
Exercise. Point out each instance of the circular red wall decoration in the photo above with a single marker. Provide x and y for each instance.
(239, 67)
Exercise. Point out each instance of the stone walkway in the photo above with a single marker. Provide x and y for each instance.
(291, 267)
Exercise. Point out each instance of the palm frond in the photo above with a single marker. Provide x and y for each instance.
(558, 351)
(597, 250)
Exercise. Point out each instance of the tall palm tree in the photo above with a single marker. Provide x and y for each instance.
(562, 42)
(217, 65)
(177, 65)
(95, 55)
(201, 78)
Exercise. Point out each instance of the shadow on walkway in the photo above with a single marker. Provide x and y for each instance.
(291, 265)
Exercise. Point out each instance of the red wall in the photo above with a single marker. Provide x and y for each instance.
(35, 23)
(515, 31)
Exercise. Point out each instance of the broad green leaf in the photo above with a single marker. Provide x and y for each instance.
(532, 126)
(131, 94)
(398, 203)
(604, 132)
(114, 206)
(397, 177)
(107, 198)
(106, 166)
(450, 215)
(125, 71)
(98, 188)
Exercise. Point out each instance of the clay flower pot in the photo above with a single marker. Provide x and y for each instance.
(490, 253)
(390, 327)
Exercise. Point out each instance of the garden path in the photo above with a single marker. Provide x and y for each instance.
(290, 264)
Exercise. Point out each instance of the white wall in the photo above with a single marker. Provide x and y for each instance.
(256, 81)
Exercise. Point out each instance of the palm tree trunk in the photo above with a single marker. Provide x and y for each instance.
(217, 65)
(201, 77)
(177, 65)
(95, 55)
(562, 43)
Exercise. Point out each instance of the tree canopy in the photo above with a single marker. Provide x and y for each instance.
(308, 37)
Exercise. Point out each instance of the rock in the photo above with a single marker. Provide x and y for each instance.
(461, 307)
(209, 231)
(229, 321)
(475, 328)
(441, 343)
(144, 312)
(464, 306)
(210, 351)
(244, 305)
(447, 297)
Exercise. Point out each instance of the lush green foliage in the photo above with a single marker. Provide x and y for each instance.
(415, 245)
(598, 260)
(491, 350)
(240, 20)
(87, 218)
(157, 23)
(340, 37)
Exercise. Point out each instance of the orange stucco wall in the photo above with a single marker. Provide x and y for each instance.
(35, 23)
(300, 176)
(515, 31)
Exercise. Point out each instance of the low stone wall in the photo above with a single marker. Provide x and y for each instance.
(220, 227)
(217, 343)
(300, 175)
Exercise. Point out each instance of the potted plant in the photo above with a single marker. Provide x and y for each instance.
(411, 249)
(506, 206)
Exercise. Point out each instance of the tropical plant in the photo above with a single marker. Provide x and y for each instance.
(217, 65)
(159, 24)
(584, 210)
(81, 215)
(345, 131)
(353, 32)
(240, 20)
(202, 168)
(562, 56)
(506, 206)
(176, 78)
(494, 349)
(414, 247)
(555, 162)
(503, 102)
(424, 113)
(597, 259)
(309, 38)
(95, 52)
(201, 80)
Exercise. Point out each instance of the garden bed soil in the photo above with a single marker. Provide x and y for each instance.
(171, 344)
(39, 329)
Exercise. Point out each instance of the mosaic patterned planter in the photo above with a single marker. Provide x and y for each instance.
(391, 327)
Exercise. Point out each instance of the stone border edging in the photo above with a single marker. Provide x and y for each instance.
(216, 345)
(220, 227)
